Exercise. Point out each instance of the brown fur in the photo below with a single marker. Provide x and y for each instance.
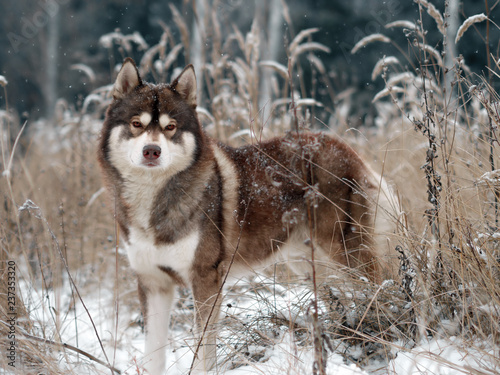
(298, 163)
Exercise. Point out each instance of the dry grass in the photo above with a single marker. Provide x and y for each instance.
(437, 145)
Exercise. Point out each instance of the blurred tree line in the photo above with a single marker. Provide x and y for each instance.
(43, 40)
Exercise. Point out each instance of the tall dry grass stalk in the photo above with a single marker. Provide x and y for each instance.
(50, 192)
(451, 247)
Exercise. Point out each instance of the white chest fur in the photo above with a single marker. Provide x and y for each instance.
(145, 257)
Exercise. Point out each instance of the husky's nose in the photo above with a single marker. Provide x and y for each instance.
(151, 152)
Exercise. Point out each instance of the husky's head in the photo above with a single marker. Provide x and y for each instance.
(151, 128)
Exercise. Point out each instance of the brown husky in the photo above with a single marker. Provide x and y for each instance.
(191, 210)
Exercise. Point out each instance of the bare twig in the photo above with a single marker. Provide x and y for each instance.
(37, 211)
(72, 348)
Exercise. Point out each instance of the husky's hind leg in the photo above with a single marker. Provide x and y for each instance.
(206, 288)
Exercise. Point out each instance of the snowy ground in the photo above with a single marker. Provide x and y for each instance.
(248, 342)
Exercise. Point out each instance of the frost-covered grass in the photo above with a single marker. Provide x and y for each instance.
(438, 146)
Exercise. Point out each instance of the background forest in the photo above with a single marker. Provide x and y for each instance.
(45, 42)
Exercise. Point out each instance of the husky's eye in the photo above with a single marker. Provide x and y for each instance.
(170, 127)
(136, 124)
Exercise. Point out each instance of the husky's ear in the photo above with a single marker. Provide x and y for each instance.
(185, 85)
(127, 80)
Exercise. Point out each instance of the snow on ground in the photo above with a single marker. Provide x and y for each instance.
(248, 344)
(444, 357)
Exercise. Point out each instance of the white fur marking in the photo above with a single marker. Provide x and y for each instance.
(164, 120)
(145, 256)
(145, 118)
(230, 185)
(126, 154)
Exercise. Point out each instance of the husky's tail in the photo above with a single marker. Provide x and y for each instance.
(389, 225)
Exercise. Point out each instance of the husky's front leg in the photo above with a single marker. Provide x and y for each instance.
(207, 303)
(156, 306)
